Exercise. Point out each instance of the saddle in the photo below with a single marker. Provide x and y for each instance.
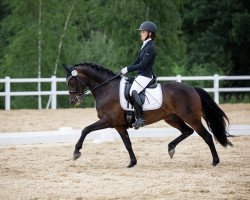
(129, 81)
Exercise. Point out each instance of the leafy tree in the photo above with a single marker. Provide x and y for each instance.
(103, 32)
(217, 36)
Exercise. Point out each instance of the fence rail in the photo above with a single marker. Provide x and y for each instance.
(53, 93)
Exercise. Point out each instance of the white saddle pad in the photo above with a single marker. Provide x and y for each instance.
(153, 98)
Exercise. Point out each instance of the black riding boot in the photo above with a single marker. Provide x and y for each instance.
(138, 110)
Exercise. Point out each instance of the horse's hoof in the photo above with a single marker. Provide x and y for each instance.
(229, 135)
(131, 165)
(215, 162)
(76, 155)
(171, 153)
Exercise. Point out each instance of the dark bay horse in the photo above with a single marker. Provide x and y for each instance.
(183, 107)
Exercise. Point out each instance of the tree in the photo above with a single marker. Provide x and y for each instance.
(217, 36)
(103, 32)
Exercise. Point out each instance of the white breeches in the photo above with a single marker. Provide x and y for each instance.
(139, 84)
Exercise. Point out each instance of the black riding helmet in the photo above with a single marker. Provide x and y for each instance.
(148, 26)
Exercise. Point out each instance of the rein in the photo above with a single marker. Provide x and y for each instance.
(108, 80)
(85, 85)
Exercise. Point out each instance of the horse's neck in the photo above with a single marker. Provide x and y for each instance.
(99, 82)
(96, 78)
(106, 92)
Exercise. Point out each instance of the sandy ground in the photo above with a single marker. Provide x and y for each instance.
(48, 171)
(48, 120)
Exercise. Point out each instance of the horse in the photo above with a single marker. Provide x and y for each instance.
(183, 107)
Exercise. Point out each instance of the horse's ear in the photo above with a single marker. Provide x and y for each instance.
(66, 68)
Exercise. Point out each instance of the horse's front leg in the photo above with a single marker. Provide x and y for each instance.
(126, 140)
(101, 124)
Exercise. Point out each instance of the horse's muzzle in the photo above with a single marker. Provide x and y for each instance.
(76, 99)
(73, 99)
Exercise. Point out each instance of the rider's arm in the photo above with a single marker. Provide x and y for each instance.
(136, 61)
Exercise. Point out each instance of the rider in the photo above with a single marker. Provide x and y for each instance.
(144, 65)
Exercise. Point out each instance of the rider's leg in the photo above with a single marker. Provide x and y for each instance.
(138, 85)
(138, 110)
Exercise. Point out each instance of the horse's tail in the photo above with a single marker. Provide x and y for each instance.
(215, 118)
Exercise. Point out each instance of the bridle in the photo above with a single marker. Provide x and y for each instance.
(77, 91)
(85, 86)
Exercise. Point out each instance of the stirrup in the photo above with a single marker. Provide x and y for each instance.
(138, 123)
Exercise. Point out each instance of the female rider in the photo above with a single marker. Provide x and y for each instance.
(144, 65)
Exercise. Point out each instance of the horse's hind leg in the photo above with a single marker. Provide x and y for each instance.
(207, 137)
(186, 131)
(126, 140)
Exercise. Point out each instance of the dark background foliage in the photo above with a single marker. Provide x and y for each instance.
(195, 37)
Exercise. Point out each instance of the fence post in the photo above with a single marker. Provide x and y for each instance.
(53, 92)
(178, 78)
(7, 93)
(216, 88)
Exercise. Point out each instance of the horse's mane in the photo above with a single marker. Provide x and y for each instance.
(96, 67)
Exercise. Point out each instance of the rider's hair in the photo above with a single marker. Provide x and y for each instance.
(153, 36)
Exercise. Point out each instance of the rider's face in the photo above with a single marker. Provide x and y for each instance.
(144, 35)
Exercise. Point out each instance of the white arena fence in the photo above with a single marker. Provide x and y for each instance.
(53, 93)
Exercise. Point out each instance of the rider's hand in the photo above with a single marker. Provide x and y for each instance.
(124, 70)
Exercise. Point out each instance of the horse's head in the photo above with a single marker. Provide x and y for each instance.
(77, 83)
